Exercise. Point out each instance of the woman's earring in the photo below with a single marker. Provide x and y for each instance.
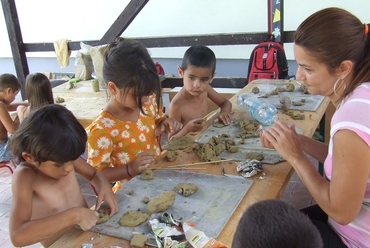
(335, 86)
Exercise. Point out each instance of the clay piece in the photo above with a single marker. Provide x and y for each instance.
(219, 124)
(289, 87)
(255, 156)
(162, 202)
(274, 92)
(256, 90)
(59, 99)
(280, 89)
(103, 217)
(215, 146)
(148, 174)
(69, 86)
(295, 116)
(138, 241)
(234, 149)
(146, 200)
(248, 129)
(133, 218)
(300, 103)
(303, 88)
(285, 103)
(186, 189)
(178, 143)
(172, 155)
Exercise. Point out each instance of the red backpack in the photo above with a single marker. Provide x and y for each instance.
(159, 68)
(267, 61)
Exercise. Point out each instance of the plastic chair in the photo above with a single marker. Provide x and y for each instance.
(6, 164)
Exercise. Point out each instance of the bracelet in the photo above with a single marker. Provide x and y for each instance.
(128, 173)
(93, 175)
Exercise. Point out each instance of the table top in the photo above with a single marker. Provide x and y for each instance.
(272, 187)
(82, 101)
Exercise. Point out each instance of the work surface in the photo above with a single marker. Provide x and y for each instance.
(277, 177)
(209, 208)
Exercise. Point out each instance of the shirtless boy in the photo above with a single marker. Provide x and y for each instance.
(9, 88)
(190, 104)
(47, 200)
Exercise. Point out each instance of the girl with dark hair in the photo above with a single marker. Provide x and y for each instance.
(38, 93)
(122, 139)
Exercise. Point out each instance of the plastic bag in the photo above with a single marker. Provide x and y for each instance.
(83, 64)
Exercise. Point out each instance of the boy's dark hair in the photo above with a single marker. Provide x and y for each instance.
(38, 90)
(199, 56)
(273, 223)
(128, 64)
(50, 133)
(8, 80)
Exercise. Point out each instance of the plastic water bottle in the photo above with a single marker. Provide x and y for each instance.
(261, 111)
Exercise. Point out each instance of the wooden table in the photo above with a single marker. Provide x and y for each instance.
(82, 101)
(277, 177)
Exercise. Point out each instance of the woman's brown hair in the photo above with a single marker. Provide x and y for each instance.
(333, 35)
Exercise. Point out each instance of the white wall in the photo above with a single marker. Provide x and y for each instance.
(46, 21)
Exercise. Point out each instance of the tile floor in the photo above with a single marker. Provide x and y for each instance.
(295, 194)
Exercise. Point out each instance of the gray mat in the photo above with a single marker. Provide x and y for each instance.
(269, 156)
(312, 102)
(210, 207)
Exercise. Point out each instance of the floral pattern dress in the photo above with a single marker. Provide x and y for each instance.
(112, 142)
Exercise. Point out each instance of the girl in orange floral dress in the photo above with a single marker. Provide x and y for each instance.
(122, 139)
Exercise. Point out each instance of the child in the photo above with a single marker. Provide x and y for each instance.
(189, 105)
(273, 223)
(122, 139)
(9, 88)
(38, 93)
(47, 201)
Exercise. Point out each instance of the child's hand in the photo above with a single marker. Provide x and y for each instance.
(195, 125)
(88, 218)
(142, 162)
(226, 118)
(170, 126)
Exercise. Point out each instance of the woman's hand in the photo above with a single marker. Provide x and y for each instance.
(284, 139)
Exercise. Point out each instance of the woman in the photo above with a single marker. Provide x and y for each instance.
(332, 49)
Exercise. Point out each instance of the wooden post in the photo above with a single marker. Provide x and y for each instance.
(123, 21)
(16, 42)
(275, 19)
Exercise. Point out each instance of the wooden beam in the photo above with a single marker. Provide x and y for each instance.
(16, 42)
(208, 40)
(123, 21)
(175, 41)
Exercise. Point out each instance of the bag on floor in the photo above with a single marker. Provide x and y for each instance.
(267, 61)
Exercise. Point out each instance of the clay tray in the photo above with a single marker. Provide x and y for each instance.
(231, 130)
(250, 144)
(270, 156)
(210, 207)
(312, 101)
